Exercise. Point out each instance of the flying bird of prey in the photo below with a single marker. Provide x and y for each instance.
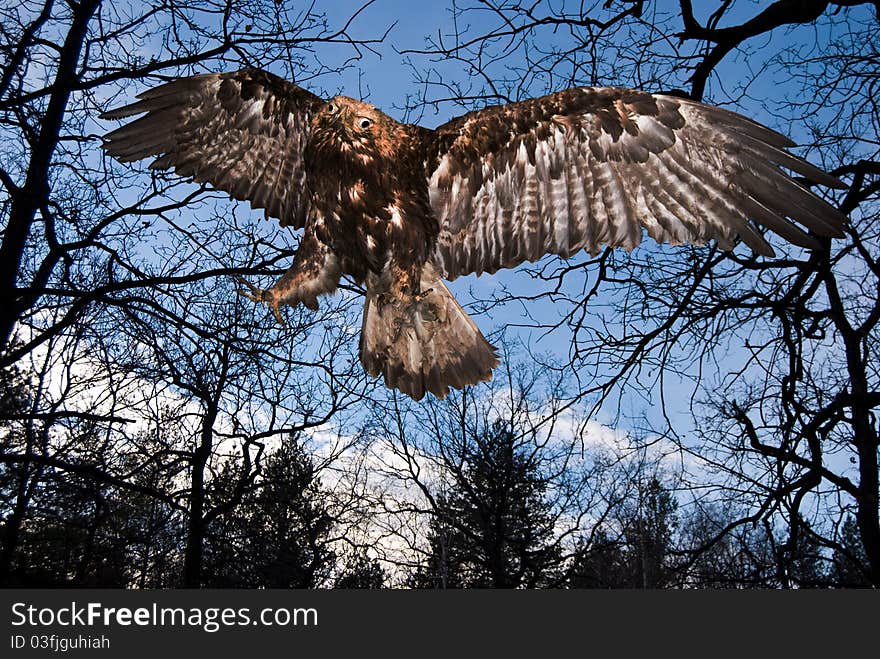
(399, 207)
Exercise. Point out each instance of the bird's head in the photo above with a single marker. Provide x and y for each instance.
(353, 127)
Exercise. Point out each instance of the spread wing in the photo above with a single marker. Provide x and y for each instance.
(588, 167)
(244, 133)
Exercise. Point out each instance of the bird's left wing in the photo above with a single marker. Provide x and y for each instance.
(595, 166)
(243, 132)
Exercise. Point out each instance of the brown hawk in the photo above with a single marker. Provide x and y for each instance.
(400, 207)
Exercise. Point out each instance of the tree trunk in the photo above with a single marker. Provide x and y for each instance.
(27, 199)
(195, 537)
(12, 527)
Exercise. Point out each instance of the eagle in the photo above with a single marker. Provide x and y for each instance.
(399, 207)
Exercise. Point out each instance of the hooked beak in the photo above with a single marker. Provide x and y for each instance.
(344, 120)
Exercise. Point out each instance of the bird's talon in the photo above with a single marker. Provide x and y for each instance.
(252, 293)
(248, 295)
(262, 296)
(276, 311)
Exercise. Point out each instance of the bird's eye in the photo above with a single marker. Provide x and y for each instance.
(331, 108)
(365, 123)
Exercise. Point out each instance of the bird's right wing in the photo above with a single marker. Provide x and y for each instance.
(243, 132)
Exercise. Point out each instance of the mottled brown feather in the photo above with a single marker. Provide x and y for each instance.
(426, 345)
(244, 133)
(590, 167)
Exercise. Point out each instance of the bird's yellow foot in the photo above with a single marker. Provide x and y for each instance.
(267, 296)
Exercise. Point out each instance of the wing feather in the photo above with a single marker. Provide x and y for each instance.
(243, 132)
(597, 166)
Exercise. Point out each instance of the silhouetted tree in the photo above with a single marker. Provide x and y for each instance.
(361, 572)
(493, 527)
(15, 479)
(740, 558)
(75, 529)
(641, 553)
(279, 535)
(601, 563)
(850, 565)
(649, 531)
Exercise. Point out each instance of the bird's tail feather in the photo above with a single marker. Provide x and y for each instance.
(427, 345)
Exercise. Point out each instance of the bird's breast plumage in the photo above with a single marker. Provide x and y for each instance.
(366, 193)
